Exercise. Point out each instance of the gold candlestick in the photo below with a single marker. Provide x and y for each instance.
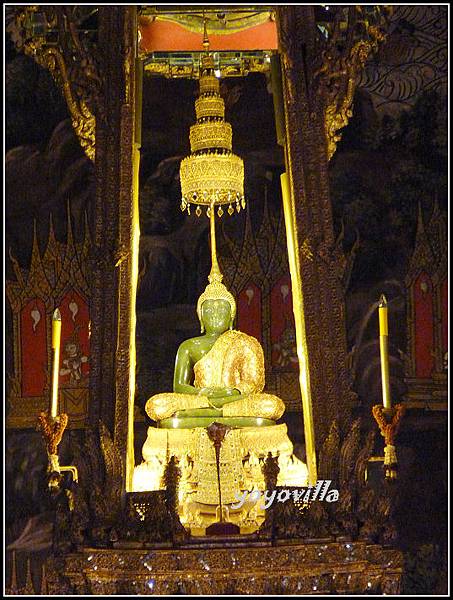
(383, 343)
(56, 338)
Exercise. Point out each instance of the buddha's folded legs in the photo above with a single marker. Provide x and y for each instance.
(162, 406)
(266, 406)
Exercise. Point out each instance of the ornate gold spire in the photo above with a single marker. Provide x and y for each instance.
(215, 274)
(212, 175)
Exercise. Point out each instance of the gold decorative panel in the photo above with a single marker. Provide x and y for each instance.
(56, 278)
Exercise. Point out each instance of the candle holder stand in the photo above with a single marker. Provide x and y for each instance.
(389, 420)
(52, 429)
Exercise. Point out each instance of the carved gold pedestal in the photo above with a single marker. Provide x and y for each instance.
(241, 459)
(317, 568)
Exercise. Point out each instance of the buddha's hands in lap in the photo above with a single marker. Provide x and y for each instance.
(204, 402)
(218, 397)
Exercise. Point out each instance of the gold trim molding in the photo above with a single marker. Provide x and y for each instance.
(219, 22)
(171, 67)
(317, 568)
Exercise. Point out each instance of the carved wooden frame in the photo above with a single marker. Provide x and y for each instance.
(114, 239)
(307, 167)
(112, 377)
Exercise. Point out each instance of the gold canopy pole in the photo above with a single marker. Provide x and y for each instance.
(289, 212)
(299, 321)
(134, 255)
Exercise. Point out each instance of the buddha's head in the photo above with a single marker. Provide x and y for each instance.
(216, 308)
(216, 316)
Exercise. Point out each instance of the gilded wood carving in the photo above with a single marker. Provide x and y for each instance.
(58, 40)
(57, 277)
(307, 164)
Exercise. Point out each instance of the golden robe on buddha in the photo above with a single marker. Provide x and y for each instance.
(236, 360)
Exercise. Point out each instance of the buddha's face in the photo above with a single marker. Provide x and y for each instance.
(216, 315)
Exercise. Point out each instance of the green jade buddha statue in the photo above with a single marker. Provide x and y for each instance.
(219, 376)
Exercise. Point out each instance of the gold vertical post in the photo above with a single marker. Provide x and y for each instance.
(56, 338)
(135, 242)
(130, 464)
(384, 350)
(299, 321)
(294, 268)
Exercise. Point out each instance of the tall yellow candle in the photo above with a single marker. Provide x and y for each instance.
(383, 343)
(56, 338)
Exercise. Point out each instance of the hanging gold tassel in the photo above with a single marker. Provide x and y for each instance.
(388, 432)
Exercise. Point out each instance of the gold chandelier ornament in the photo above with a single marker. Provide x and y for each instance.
(212, 175)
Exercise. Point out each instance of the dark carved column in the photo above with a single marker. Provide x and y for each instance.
(307, 159)
(111, 255)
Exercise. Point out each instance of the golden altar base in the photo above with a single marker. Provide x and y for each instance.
(241, 460)
(290, 568)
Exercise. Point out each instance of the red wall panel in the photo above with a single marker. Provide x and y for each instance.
(249, 311)
(444, 293)
(283, 337)
(74, 328)
(424, 326)
(33, 348)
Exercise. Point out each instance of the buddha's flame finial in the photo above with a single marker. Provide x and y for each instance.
(215, 290)
(215, 274)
